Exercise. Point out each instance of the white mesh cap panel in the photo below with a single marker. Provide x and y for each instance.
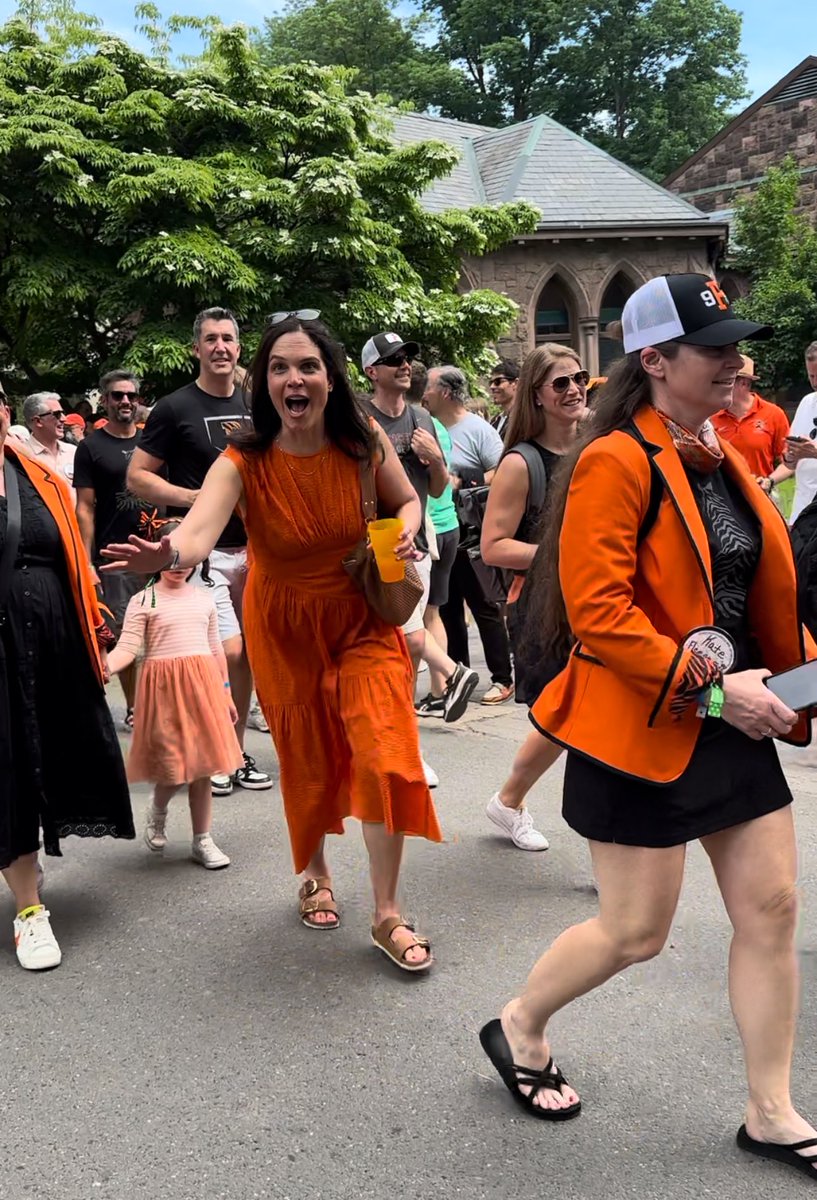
(650, 316)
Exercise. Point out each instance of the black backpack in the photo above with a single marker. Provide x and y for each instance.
(534, 667)
(471, 505)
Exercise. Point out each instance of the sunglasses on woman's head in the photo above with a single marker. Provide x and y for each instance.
(562, 382)
(396, 360)
(300, 314)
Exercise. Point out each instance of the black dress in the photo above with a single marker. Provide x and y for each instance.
(61, 767)
(731, 778)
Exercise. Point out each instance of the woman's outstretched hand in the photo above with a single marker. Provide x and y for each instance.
(137, 555)
(752, 708)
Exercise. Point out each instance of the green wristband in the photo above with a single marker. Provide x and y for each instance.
(714, 704)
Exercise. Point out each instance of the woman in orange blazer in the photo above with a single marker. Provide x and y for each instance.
(60, 765)
(677, 581)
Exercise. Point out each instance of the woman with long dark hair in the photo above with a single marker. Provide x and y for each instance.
(549, 404)
(334, 681)
(662, 707)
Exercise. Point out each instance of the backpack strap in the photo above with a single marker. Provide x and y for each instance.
(536, 472)
(656, 486)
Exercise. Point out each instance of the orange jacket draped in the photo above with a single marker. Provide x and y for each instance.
(56, 496)
(631, 604)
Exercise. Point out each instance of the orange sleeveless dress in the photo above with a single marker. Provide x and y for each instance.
(333, 680)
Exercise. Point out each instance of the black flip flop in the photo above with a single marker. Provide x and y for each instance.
(495, 1045)
(782, 1154)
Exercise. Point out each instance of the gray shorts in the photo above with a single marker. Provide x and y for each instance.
(228, 571)
(117, 589)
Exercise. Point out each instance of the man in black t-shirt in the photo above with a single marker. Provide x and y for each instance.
(387, 359)
(106, 510)
(185, 433)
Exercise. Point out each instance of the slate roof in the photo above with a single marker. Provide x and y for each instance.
(572, 182)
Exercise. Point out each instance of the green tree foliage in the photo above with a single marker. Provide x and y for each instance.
(387, 51)
(133, 194)
(777, 248)
(648, 80)
(66, 29)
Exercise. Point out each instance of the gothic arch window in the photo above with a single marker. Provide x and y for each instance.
(554, 313)
(616, 295)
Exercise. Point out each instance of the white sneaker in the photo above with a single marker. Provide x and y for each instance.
(222, 785)
(432, 778)
(517, 823)
(205, 852)
(256, 719)
(37, 948)
(155, 836)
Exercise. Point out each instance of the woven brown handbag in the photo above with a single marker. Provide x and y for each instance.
(393, 602)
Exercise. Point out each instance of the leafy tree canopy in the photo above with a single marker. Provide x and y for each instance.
(777, 248)
(648, 80)
(133, 194)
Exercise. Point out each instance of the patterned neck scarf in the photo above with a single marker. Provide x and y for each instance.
(700, 451)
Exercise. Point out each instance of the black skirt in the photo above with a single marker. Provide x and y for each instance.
(730, 779)
(61, 768)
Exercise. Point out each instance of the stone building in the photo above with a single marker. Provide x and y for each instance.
(782, 122)
(604, 229)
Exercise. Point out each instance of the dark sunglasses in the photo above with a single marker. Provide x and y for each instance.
(396, 360)
(562, 382)
(115, 394)
(498, 382)
(301, 314)
(57, 412)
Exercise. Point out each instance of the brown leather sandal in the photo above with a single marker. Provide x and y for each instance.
(382, 938)
(308, 904)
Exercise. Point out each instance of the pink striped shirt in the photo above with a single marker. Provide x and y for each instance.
(182, 623)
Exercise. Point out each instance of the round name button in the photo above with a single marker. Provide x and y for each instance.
(713, 643)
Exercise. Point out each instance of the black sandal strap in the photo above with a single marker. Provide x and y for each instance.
(804, 1146)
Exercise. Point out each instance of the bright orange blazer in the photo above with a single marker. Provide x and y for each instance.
(57, 498)
(631, 604)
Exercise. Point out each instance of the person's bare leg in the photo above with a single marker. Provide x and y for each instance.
(756, 868)
(439, 664)
(21, 878)
(535, 756)
(238, 669)
(416, 643)
(385, 856)
(316, 868)
(162, 795)
(638, 895)
(434, 626)
(200, 799)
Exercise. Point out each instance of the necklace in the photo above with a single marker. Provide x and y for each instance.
(301, 474)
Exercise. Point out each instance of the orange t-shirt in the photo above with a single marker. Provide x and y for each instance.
(759, 436)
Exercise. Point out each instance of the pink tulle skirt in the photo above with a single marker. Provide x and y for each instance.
(182, 729)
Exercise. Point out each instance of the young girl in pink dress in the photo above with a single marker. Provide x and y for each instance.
(183, 714)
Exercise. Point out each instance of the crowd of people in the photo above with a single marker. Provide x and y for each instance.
(602, 545)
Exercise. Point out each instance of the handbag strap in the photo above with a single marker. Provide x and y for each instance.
(368, 490)
(9, 553)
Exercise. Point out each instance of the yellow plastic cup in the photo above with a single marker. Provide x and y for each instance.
(384, 536)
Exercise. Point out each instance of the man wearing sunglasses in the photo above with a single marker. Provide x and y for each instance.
(44, 417)
(502, 386)
(106, 510)
(387, 360)
(184, 435)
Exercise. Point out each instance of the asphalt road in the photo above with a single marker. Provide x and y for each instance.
(199, 1042)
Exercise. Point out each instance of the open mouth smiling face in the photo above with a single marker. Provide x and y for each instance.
(297, 379)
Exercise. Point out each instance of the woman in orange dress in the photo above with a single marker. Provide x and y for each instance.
(334, 681)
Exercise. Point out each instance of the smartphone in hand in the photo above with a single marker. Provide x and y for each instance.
(796, 687)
